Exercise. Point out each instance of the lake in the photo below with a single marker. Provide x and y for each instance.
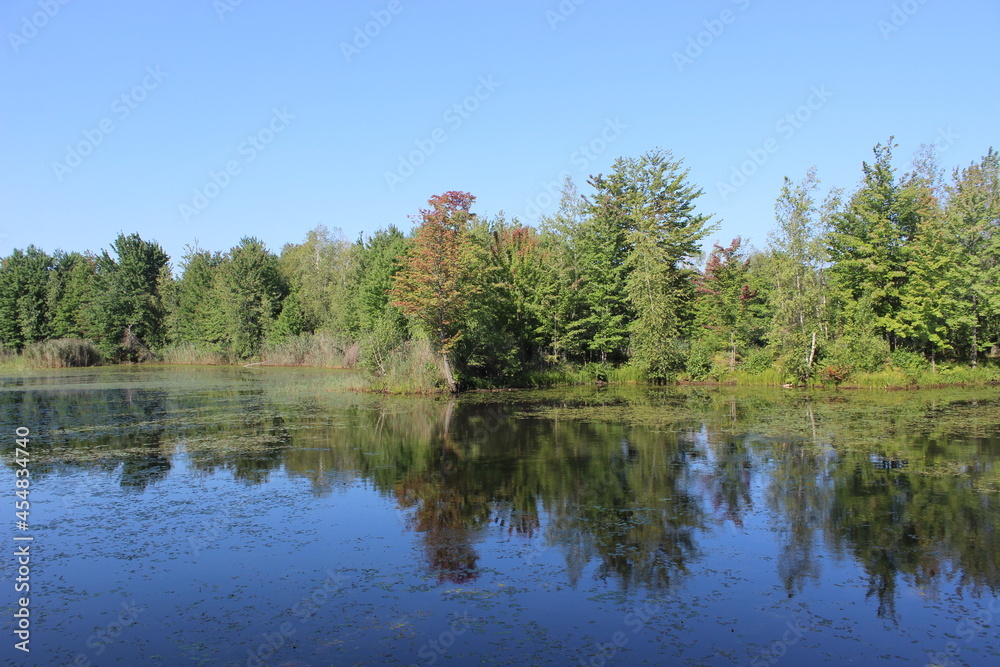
(257, 516)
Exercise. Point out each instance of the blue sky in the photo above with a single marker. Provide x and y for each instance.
(213, 120)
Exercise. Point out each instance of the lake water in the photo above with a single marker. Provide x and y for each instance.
(256, 516)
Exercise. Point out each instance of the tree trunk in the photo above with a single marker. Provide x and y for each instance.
(448, 376)
(732, 358)
(812, 351)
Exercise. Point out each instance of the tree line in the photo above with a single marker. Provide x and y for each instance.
(903, 272)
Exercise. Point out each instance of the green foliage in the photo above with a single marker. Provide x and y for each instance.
(247, 295)
(24, 313)
(647, 208)
(757, 361)
(71, 293)
(699, 365)
(194, 314)
(911, 363)
(317, 273)
(129, 311)
(896, 284)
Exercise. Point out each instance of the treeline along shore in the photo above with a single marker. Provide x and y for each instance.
(894, 284)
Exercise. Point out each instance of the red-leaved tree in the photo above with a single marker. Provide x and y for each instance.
(435, 285)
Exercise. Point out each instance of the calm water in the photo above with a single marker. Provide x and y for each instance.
(254, 516)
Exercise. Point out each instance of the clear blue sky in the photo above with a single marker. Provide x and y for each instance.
(533, 85)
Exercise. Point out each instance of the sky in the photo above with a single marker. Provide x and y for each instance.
(204, 121)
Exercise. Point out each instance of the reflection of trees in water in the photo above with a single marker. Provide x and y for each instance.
(727, 484)
(799, 496)
(621, 495)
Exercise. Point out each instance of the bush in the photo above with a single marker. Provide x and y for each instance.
(911, 363)
(757, 361)
(699, 362)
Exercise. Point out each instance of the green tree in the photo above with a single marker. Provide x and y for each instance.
(972, 213)
(650, 203)
(249, 291)
(869, 243)
(435, 286)
(797, 297)
(129, 308)
(558, 297)
(929, 300)
(317, 273)
(71, 291)
(379, 326)
(730, 312)
(192, 308)
(24, 314)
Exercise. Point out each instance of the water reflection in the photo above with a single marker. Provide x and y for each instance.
(628, 486)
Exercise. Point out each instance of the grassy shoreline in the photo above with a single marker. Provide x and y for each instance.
(414, 369)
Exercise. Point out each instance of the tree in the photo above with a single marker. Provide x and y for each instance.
(71, 293)
(379, 326)
(730, 312)
(501, 335)
(869, 243)
(796, 261)
(130, 312)
(648, 205)
(249, 291)
(972, 213)
(435, 286)
(317, 273)
(558, 298)
(192, 309)
(928, 302)
(24, 316)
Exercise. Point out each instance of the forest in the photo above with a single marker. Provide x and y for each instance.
(896, 283)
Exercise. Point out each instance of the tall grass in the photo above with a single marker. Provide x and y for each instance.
(54, 353)
(412, 368)
(193, 355)
(320, 350)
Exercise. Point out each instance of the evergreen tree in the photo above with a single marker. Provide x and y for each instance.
(24, 313)
(869, 243)
(129, 312)
(193, 311)
(973, 215)
(249, 291)
(649, 205)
